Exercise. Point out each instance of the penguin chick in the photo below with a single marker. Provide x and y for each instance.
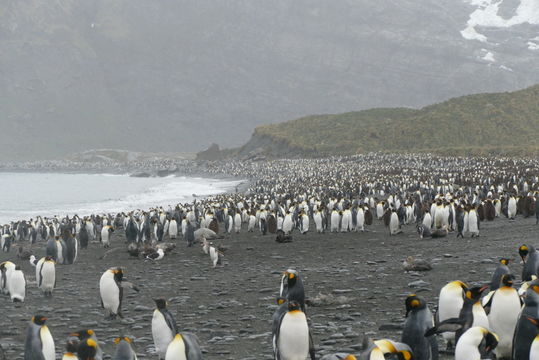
(411, 264)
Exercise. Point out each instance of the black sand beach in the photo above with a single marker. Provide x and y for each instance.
(230, 308)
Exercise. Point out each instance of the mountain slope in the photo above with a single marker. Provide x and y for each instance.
(178, 75)
(482, 123)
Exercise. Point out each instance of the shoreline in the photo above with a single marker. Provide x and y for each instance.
(239, 188)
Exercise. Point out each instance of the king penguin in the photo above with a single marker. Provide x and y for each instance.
(292, 288)
(173, 229)
(530, 258)
(87, 350)
(17, 285)
(468, 345)
(163, 328)
(237, 223)
(418, 320)
(88, 334)
(72, 347)
(511, 208)
(288, 223)
(394, 226)
(525, 331)
(473, 223)
(505, 306)
(501, 270)
(450, 302)
(46, 275)
(111, 290)
(184, 346)
(39, 343)
(6, 269)
(124, 351)
(292, 338)
(335, 220)
(106, 232)
(378, 349)
(472, 314)
(317, 217)
(534, 350)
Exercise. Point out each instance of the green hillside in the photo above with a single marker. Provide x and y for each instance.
(503, 123)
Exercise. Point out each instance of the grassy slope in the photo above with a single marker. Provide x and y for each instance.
(500, 122)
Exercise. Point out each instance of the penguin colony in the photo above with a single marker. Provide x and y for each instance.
(472, 321)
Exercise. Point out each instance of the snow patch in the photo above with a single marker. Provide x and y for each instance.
(486, 15)
(533, 44)
(488, 56)
(470, 34)
(503, 67)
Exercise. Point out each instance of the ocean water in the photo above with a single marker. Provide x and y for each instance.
(26, 195)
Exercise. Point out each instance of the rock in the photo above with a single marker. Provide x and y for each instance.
(391, 326)
(418, 283)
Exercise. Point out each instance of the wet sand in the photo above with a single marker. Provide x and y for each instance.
(230, 307)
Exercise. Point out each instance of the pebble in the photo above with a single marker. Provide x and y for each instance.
(418, 283)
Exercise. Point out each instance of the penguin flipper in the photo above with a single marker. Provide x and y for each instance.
(192, 347)
(449, 325)
(171, 323)
(488, 302)
(276, 334)
(40, 274)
